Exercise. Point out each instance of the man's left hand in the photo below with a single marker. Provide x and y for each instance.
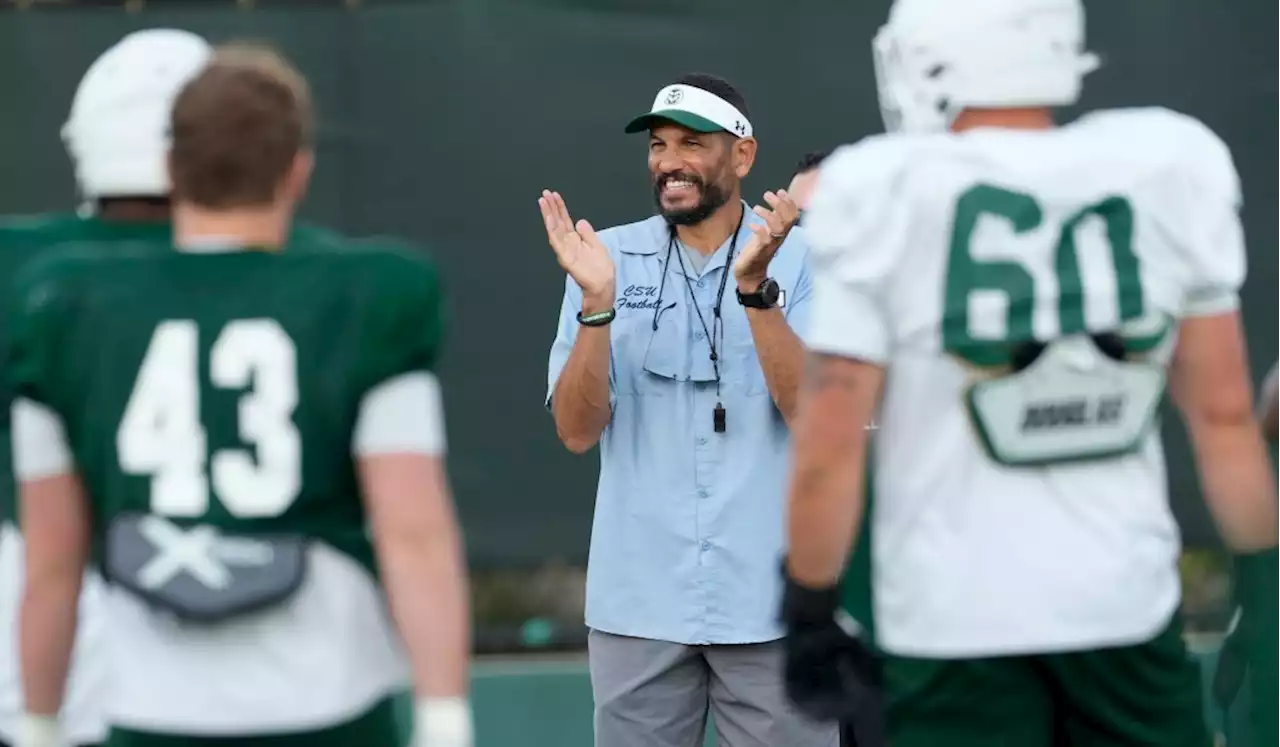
(830, 671)
(752, 265)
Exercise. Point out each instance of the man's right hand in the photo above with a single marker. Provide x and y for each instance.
(580, 252)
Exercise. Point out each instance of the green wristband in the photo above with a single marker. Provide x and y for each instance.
(598, 319)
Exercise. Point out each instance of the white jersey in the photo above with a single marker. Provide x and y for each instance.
(932, 252)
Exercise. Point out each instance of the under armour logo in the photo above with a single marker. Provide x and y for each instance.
(200, 552)
(674, 96)
(739, 127)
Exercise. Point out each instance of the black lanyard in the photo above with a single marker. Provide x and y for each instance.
(716, 331)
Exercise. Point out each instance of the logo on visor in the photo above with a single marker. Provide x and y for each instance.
(739, 127)
(674, 96)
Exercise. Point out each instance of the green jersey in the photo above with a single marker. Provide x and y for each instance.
(24, 238)
(855, 585)
(217, 399)
(222, 388)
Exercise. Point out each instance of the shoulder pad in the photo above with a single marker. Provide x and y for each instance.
(1183, 145)
(1206, 157)
(58, 266)
(858, 200)
(873, 163)
(1198, 189)
(309, 232)
(395, 253)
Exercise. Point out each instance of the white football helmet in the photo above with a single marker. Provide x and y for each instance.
(118, 131)
(935, 58)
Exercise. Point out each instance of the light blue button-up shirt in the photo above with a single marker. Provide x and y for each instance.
(689, 523)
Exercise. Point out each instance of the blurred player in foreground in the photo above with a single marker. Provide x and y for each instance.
(219, 425)
(1246, 683)
(1018, 292)
(866, 728)
(116, 137)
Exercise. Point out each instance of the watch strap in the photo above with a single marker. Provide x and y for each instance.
(755, 300)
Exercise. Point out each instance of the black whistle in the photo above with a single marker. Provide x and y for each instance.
(717, 418)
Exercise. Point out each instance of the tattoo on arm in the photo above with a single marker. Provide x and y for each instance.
(823, 372)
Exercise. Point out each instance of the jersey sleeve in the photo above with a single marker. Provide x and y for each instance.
(408, 321)
(37, 301)
(855, 233)
(36, 305)
(404, 415)
(40, 446)
(17, 247)
(401, 410)
(1205, 204)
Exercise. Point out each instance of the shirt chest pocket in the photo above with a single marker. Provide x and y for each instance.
(649, 362)
(630, 336)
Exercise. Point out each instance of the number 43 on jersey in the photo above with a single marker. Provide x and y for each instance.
(161, 435)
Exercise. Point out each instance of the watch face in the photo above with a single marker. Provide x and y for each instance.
(770, 291)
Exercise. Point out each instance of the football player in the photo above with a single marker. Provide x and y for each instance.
(1014, 296)
(115, 136)
(865, 728)
(246, 434)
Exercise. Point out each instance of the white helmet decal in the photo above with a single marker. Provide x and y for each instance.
(934, 58)
(118, 132)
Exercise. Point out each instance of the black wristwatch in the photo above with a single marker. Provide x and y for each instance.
(765, 297)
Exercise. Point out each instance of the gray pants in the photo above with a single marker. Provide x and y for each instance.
(657, 694)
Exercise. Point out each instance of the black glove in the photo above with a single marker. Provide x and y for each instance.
(831, 674)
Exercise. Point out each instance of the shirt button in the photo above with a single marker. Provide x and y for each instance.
(697, 335)
(702, 441)
(702, 283)
(706, 546)
(702, 494)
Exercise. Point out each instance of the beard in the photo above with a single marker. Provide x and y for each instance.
(711, 198)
